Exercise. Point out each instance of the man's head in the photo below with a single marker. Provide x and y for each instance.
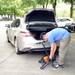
(44, 37)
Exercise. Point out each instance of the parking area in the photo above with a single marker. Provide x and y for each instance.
(27, 63)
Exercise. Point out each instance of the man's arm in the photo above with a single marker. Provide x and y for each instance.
(53, 49)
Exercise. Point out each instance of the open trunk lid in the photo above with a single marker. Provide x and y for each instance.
(39, 15)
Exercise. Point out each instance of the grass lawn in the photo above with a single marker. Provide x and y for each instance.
(72, 34)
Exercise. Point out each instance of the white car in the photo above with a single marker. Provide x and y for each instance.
(67, 23)
(25, 33)
(62, 21)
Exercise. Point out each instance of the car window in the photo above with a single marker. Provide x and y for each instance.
(67, 20)
(13, 23)
(17, 22)
(62, 20)
(57, 20)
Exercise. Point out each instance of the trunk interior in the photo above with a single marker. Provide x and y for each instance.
(37, 34)
(37, 30)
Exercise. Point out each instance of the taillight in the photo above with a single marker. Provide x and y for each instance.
(27, 48)
(26, 34)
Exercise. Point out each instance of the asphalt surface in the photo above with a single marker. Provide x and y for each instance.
(27, 63)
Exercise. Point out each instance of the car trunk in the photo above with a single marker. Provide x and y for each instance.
(37, 30)
(43, 21)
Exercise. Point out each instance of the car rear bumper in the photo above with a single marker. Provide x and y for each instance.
(35, 49)
(26, 46)
(38, 49)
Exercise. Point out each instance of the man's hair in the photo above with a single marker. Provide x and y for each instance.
(41, 36)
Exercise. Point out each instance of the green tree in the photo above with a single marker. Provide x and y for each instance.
(46, 2)
(28, 4)
(42, 2)
(54, 3)
(15, 8)
(11, 7)
(2, 8)
(72, 5)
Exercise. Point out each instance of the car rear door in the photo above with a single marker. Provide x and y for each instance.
(14, 29)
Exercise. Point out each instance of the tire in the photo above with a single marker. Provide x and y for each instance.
(69, 31)
(8, 39)
(16, 48)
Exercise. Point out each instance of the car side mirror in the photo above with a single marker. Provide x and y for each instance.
(7, 25)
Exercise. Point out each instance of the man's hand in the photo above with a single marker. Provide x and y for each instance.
(53, 49)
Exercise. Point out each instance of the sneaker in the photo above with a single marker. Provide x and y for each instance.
(58, 67)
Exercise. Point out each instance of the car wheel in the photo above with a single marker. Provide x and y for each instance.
(8, 39)
(70, 31)
(16, 48)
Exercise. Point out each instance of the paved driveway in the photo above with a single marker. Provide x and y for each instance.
(27, 63)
